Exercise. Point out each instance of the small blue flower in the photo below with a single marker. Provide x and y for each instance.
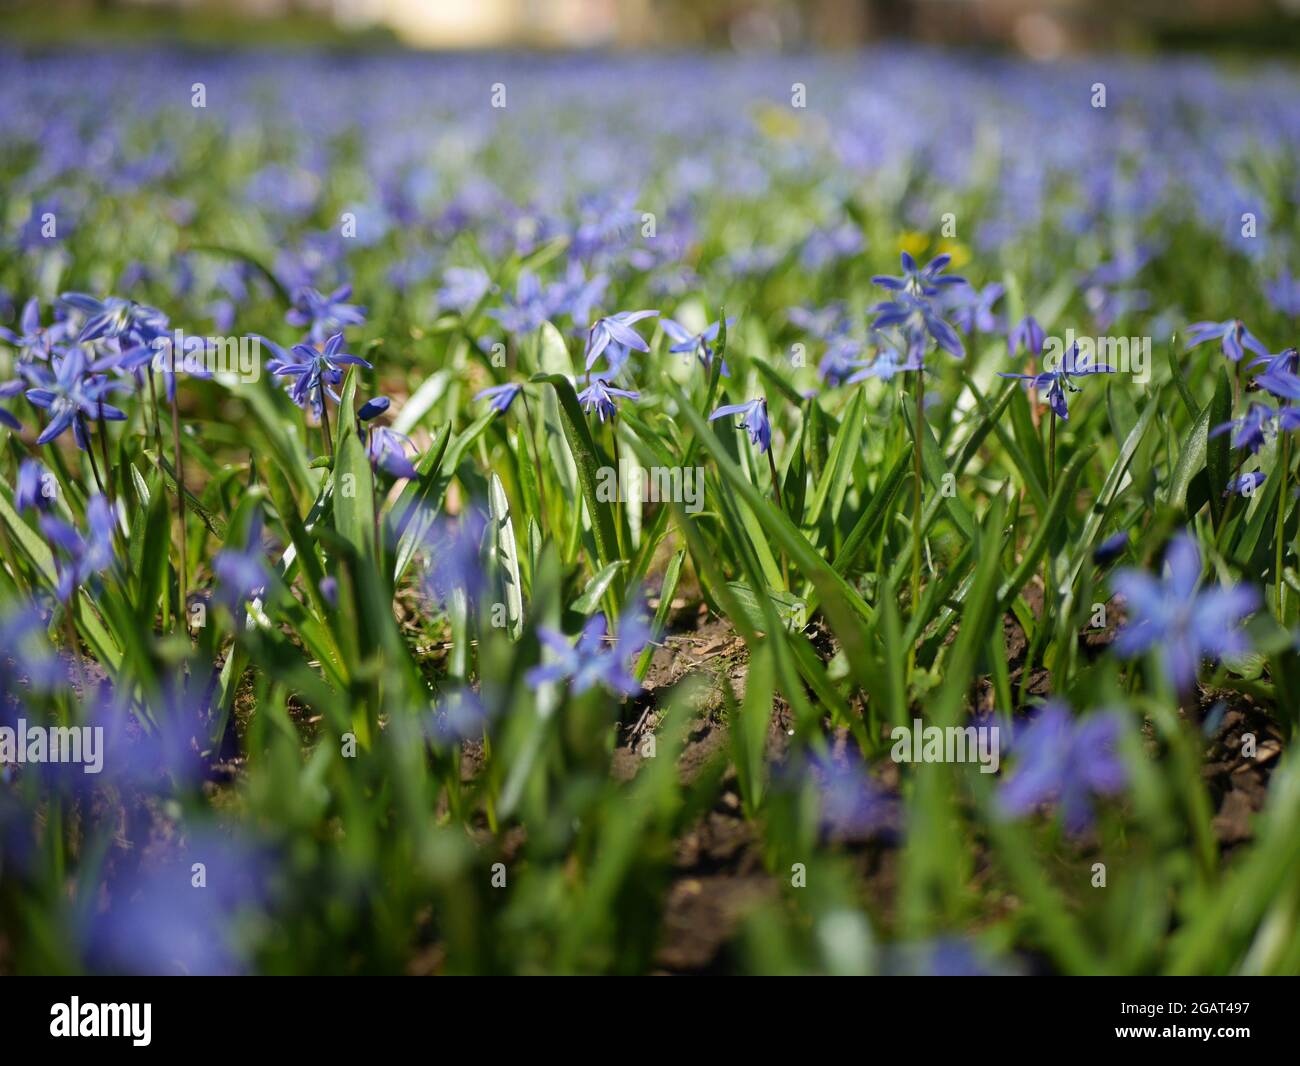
(79, 557)
(1029, 335)
(589, 661)
(920, 281)
(916, 316)
(599, 396)
(34, 341)
(1183, 623)
(452, 550)
(974, 308)
(527, 309)
(373, 408)
(686, 342)
(854, 805)
(1111, 548)
(754, 420)
(616, 329)
(459, 716)
(29, 492)
(1060, 380)
(1245, 484)
(888, 364)
(839, 362)
(500, 397)
(1232, 335)
(386, 449)
(241, 573)
(1248, 431)
(71, 396)
(114, 318)
(1066, 760)
(317, 370)
(463, 288)
(324, 316)
(1284, 294)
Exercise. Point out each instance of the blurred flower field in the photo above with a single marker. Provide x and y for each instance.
(574, 514)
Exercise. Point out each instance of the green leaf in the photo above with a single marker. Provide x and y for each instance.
(506, 552)
(597, 587)
(1217, 456)
(589, 463)
(1191, 460)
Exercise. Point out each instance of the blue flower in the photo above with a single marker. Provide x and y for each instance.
(975, 309)
(500, 397)
(1183, 623)
(1111, 548)
(28, 653)
(156, 922)
(34, 341)
(589, 661)
(373, 408)
(317, 370)
(452, 548)
(916, 316)
(686, 342)
(29, 492)
(616, 329)
(323, 315)
(527, 309)
(386, 449)
(1284, 294)
(1248, 431)
(825, 324)
(1245, 484)
(599, 396)
(839, 362)
(459, 716)
(1286, 361)
(1066, 760)
(755, 420)
(1060, 380)
(463, 288)
(920, 281)
(1232, 335)
(79, 557)
(1279, 380)
(71, 396)
(241, 573)
(1029, 335)
(887, 364)
(854, 805)
(114, 318)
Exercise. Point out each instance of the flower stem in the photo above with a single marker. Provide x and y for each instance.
(1284, 476)
(94, 466)
(537, 458)
(182, 582)
(326, 436)
(1051, 456)
(103, 448)
(780, 504)
(917, 429)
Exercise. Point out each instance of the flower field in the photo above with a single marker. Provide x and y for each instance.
(520, 514)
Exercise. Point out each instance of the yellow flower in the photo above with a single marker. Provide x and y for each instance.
(959, 252)
(913, 243)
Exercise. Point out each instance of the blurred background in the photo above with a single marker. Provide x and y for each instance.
(1042, 29)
